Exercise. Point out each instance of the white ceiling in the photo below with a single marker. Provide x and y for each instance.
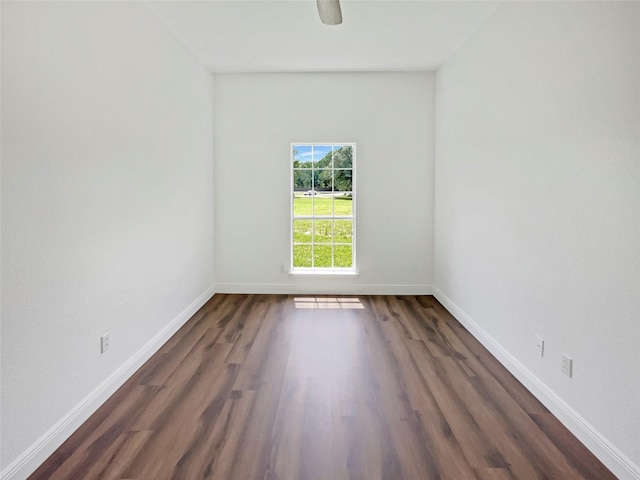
(287, 36)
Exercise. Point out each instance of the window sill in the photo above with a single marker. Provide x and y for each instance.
(325, 272)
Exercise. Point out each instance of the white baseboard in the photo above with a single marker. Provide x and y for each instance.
(36, 454)
(323, 287)
(599, 445)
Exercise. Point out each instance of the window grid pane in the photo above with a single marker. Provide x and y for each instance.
(322, 215)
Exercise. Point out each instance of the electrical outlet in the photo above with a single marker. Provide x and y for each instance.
(104, 342)
(567, 365)
(282, 269)
(540, 345)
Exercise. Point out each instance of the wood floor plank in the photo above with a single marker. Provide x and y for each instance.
(493, 474)
(508, 453)
(243, 336)
(193, 409)
(267, 379)
(162, 366)
(120, 454)
(405, 428)
(477, 444)
(277, 387)
(535, 443)
(97, 434)
(434, 433)
(212, 452)
(586, 463)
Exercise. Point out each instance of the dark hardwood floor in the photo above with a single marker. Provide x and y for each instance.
(322, 388)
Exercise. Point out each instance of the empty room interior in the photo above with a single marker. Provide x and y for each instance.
(238, 242)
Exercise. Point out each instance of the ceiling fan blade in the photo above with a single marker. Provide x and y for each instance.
(330, 12)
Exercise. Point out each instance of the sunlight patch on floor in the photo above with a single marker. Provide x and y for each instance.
(351, 303)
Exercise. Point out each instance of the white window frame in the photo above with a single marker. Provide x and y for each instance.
(324, 270)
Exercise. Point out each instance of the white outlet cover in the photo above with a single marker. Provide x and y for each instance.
(104, 342)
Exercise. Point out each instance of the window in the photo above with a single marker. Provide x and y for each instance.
(323, 208)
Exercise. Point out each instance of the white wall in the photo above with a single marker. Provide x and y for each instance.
(107, 207)
(538, 206)
(388, 116)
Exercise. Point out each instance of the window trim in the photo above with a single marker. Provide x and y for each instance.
(337, 271)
